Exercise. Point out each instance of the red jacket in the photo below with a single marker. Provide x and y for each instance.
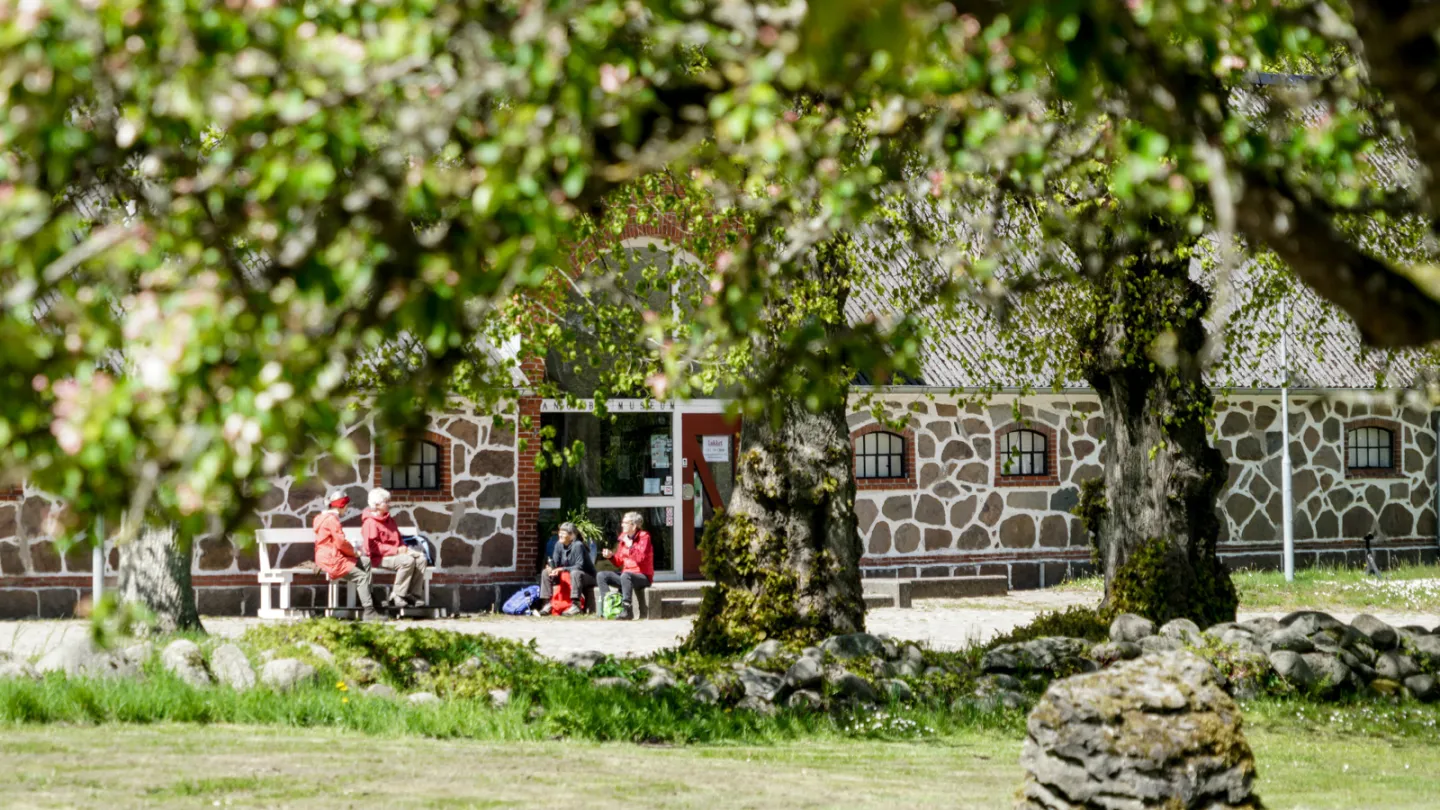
(333, 553)
(381, 535)
(639, 558)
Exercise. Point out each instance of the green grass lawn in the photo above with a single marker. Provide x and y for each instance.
(1409, 589)
(174, 766)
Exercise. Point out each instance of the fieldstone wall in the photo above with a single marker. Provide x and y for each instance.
(962, 516)
(472, 523)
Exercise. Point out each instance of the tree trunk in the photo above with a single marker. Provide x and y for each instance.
(1158, 532)
(155, 574)
(785, 553)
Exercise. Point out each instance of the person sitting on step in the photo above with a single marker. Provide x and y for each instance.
(337, 558)
(569, 554)
(387, 549)
(636, 558)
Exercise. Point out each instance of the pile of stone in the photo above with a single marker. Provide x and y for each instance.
(858, 668)
(1307, 651)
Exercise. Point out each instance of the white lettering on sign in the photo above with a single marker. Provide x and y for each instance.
(715, 448)
(613, 406)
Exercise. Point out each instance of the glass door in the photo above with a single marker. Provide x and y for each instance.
(709, 447)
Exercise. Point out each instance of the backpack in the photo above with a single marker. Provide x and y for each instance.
(520, 603)
(422, 544)
(613, 605)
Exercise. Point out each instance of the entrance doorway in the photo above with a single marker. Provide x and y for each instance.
(709, 447)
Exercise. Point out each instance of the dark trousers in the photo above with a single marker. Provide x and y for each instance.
(579, 583)
(628, 584)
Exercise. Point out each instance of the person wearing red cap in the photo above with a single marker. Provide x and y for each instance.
(337, 558)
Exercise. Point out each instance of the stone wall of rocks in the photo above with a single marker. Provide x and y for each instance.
(957, 515)
(472, 523)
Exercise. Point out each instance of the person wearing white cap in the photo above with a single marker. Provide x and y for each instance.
(337, 558)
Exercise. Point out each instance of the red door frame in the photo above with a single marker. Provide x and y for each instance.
(692, 427)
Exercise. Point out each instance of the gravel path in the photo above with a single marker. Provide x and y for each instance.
(942, 624)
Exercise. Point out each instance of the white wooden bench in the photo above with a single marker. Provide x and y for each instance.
(272, 576)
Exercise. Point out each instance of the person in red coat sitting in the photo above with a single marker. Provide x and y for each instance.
(636, 558)
(388, 550)
(337, 558)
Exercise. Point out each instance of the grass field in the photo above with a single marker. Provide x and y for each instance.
(1410, 589)
(175, 766)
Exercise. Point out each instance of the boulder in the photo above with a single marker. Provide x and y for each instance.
(1427, 652)
(1160, 644)
(989, 702)
(899, 691)
(707, 692)
(755, 704)
(805, 699)
(764, 652)
(1261, 625)
(183, 658)
(1053, 654)
(1155, 732)
(848, 685)
(379, 690)
(1382, 636)
(812, 652)
(1384, 687)
(854, 645)
(659, 678)
(1287, 639)
(283, 674)
(1110, 652)
(138, 653)
(1130, 627)
(760, 684)
(79, 657)
(1330, 672)
(468, 667)
(1423, 687)
(321, 654)
(1292, 667)
(422, 698)
(368, 670)
(805, 673)
(1395, 666)
(585, 660)
(1307, 622)
(499, 698)
(419, 666)
(231, 668)
(1182, 630)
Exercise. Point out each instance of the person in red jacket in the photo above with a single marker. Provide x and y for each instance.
(388, 550)
(636, 558)
(337, 558)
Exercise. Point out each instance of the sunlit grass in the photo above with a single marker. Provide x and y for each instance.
(1407, 589)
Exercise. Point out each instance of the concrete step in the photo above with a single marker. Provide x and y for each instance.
(676, 608)
(693, 589)
(902, 591)
(878, 600)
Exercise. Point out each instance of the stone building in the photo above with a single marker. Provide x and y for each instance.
(963, 487)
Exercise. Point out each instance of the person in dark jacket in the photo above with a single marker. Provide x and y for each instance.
(570, 554)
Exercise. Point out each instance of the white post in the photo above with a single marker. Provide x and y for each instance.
(1287, 506)
(97, 564)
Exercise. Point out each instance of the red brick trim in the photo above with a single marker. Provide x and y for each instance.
(1052, 468)
(442, 494)
(15, 493)
(873, 484)
(527, 488)
(1395, 469)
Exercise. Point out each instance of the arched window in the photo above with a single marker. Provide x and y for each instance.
(421, 472)
(1024, 453)
(880, 455)
(1370, 449)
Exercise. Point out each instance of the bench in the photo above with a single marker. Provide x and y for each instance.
(271, 575)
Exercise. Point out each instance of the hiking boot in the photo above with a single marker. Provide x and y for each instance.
(573, 610)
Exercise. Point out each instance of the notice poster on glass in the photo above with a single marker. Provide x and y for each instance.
(660, 451)
(652, 486)
(715, 448)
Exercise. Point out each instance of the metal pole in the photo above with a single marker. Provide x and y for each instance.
(1287, 506)
(97, 563)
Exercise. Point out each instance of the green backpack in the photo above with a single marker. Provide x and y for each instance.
(613, 605)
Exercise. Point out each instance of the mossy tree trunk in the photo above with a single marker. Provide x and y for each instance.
(785, 552)
(155, 574)
(1158, 532)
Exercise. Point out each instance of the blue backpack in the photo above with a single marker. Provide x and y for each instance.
(422, 544)
(520, 603)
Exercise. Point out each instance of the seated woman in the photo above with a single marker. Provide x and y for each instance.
(337, 558)
(569, 554)
(636, 559)
(387, 549)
